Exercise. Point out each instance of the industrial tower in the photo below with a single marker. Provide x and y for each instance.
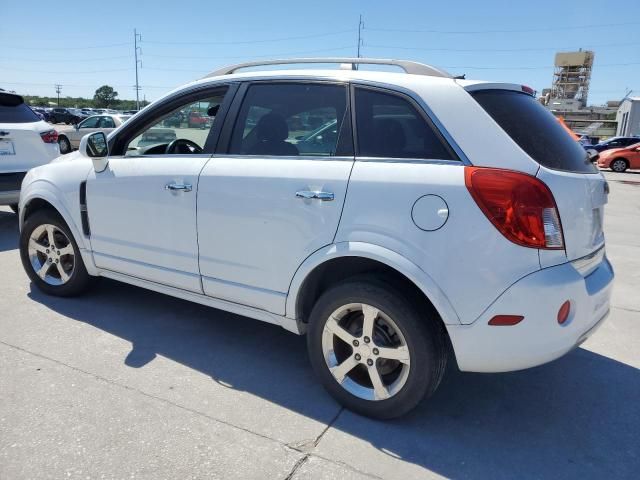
(572, 76)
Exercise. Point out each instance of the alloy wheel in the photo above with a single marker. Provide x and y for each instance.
(619, 166)
(366, 352)
(51, 254)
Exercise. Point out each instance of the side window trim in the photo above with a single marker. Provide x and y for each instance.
(232, 117)
(131, 129)
(445, 138)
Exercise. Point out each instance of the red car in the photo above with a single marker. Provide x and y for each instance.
(620, 159)
(197, 120)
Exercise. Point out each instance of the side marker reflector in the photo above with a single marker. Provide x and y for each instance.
(506, 320)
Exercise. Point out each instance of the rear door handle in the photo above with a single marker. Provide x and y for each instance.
(178, 187)
(315, 194)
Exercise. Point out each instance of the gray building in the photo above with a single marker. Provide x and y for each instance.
(628, 117)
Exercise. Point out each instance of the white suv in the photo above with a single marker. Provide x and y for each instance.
(398, 219)
(25, 142)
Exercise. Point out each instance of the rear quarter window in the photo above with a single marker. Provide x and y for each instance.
(535, 130)
(14, 110)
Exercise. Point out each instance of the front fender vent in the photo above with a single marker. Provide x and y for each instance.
(84, 216)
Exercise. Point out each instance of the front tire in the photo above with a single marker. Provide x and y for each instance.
(373, 349)
(50, 255)
(619, 165)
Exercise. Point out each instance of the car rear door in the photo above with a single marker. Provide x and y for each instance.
(265, 204)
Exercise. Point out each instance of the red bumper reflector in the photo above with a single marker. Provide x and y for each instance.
(506, 320)
(563, 313)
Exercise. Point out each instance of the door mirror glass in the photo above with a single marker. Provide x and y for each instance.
(96, 145)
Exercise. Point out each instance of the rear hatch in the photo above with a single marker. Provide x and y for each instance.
(578, 187)
(22, 145)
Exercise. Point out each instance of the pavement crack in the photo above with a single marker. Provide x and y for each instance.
(626, 309)
(296, 466)
(307, 446)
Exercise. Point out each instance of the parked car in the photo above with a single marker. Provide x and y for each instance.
(621, 159)
(406, 245)
(197, 120)
(26, 141)
(613, 142)
(70, 139)
(64, 115)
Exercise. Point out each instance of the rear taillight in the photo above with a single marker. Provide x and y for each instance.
(520, 206)
(50, 136)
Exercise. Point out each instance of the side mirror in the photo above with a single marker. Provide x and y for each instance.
(593, 155)
(94, 146)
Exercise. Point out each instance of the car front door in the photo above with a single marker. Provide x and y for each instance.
(142, 207)
(269, 201)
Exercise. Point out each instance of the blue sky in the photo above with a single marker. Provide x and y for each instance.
(83, 45)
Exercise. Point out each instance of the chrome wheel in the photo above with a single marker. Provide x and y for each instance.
(366, 352)
(618, 165)
(51, 254)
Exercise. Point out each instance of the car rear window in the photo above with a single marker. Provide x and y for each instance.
(535, 130)
(14, 110)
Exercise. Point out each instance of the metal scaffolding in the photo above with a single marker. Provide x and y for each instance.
(572, 75)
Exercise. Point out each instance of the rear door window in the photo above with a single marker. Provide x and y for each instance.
(389, 126)
(14, 110)
(535, 130)
(291, 119)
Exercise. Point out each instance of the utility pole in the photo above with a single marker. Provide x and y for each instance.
(360, 27)
(58, 90)
(136, 37)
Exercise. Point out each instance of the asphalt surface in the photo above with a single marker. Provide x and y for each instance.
(126, 383)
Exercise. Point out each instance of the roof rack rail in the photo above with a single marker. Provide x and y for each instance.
(408, 66)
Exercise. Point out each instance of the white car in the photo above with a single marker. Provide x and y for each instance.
(26, 141)
(107, 123)
(446, 219)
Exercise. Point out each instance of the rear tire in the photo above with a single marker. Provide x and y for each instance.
(64, 143)
(619, 165)
(384, 374)
(57, 271)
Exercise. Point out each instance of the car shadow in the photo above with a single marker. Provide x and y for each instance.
(577, 417)
(8, 231)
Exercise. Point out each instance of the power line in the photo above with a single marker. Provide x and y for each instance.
(251, 42)
(272, 55)
(58, 60)
(526, 49)
(71, 72)
(478, 32)
(67, 48)
(533, 67)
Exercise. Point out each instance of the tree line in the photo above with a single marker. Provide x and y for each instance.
(104, 97)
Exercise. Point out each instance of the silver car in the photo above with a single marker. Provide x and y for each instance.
(70, 139)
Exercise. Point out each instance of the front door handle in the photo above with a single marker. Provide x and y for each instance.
(178, 187)
(315, 194)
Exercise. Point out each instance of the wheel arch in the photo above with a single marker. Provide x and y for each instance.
(38, 198)
(347, 259)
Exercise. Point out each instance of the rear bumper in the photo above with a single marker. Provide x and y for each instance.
(538, 338)
(10, 187)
